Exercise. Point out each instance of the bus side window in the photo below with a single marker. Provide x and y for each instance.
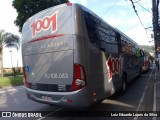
(92, 31)
(101, 35)
(118, 39)
(141, 56)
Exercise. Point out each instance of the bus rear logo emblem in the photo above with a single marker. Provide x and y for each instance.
(44, 24)
(113, 66)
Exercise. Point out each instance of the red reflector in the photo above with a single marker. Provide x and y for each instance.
(45, 37)
(69, 100)
(25, 78)
(69, 4)
(28, 95)
(77, 71)
(94, 94)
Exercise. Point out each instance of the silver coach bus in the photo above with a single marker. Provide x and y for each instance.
(145, 60)
(72, 58)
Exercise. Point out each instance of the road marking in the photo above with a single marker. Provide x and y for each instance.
(49, 114)
(142, 98)
(155, 75)
(154, 101)
(5, 90)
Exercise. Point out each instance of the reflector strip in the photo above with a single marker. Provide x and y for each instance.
(25, 78)
(69, 100)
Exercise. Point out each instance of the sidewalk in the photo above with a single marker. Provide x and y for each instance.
(156, 102)
(10, 88)
(158, 96)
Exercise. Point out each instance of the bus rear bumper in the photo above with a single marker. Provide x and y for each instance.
(75, 99)
(145, 68)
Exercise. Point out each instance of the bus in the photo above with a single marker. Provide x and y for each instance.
(73, 58)
(145, 60)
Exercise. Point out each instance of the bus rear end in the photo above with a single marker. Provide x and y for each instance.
(51, 73)
(145, 63)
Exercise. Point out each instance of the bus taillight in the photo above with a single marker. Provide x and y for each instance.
(25, 78)
(79, 80)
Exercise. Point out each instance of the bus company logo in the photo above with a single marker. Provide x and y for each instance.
(6, 114)
(44, 24)
(113, 66)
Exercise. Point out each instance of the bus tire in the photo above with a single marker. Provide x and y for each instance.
(51, 105)
(124, 84)
(140, 71)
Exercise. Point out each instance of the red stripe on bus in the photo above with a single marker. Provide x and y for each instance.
(45, 37)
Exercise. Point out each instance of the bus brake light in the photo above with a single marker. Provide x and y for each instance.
(145, 63)
(79, 80)
(25, 78)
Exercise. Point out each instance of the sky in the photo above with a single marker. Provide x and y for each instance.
(118, 13)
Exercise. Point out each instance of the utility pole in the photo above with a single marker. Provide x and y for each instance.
(156, 30)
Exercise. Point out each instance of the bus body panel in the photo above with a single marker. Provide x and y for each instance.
(94, 60)
(75, 99)
(55, 20)
(55, 44)
(50, 71)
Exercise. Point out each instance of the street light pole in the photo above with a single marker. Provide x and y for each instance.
(11, 58)
(155, 4)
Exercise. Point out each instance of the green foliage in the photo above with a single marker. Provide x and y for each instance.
(148, 48)
(11, 81)
(7, 40)
(8, 74)
(27, 8)
(1, 40)
(151, 58)
(16, 71)
(11, 41)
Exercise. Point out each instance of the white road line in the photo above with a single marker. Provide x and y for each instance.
(142, 98)
(155, 75)
(49, 114)
(5, 90)
(154, 101)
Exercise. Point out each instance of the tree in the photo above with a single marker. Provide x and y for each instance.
(148, 48)
(1, 55)
(11, 41)
(8, 40)
(27, 8)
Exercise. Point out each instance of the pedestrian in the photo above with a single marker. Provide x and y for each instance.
(157, 64)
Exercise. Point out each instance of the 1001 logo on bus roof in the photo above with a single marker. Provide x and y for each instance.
(44, 24)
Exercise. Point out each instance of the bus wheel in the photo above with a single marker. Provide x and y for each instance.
(51, 105)
(140, 71)
(124, 84)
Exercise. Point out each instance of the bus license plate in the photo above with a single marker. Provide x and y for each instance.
(46, 98)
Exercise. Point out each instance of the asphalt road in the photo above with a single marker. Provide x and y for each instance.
(139, 97)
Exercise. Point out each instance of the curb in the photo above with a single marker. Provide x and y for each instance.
(11, 87)
(154, 100)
